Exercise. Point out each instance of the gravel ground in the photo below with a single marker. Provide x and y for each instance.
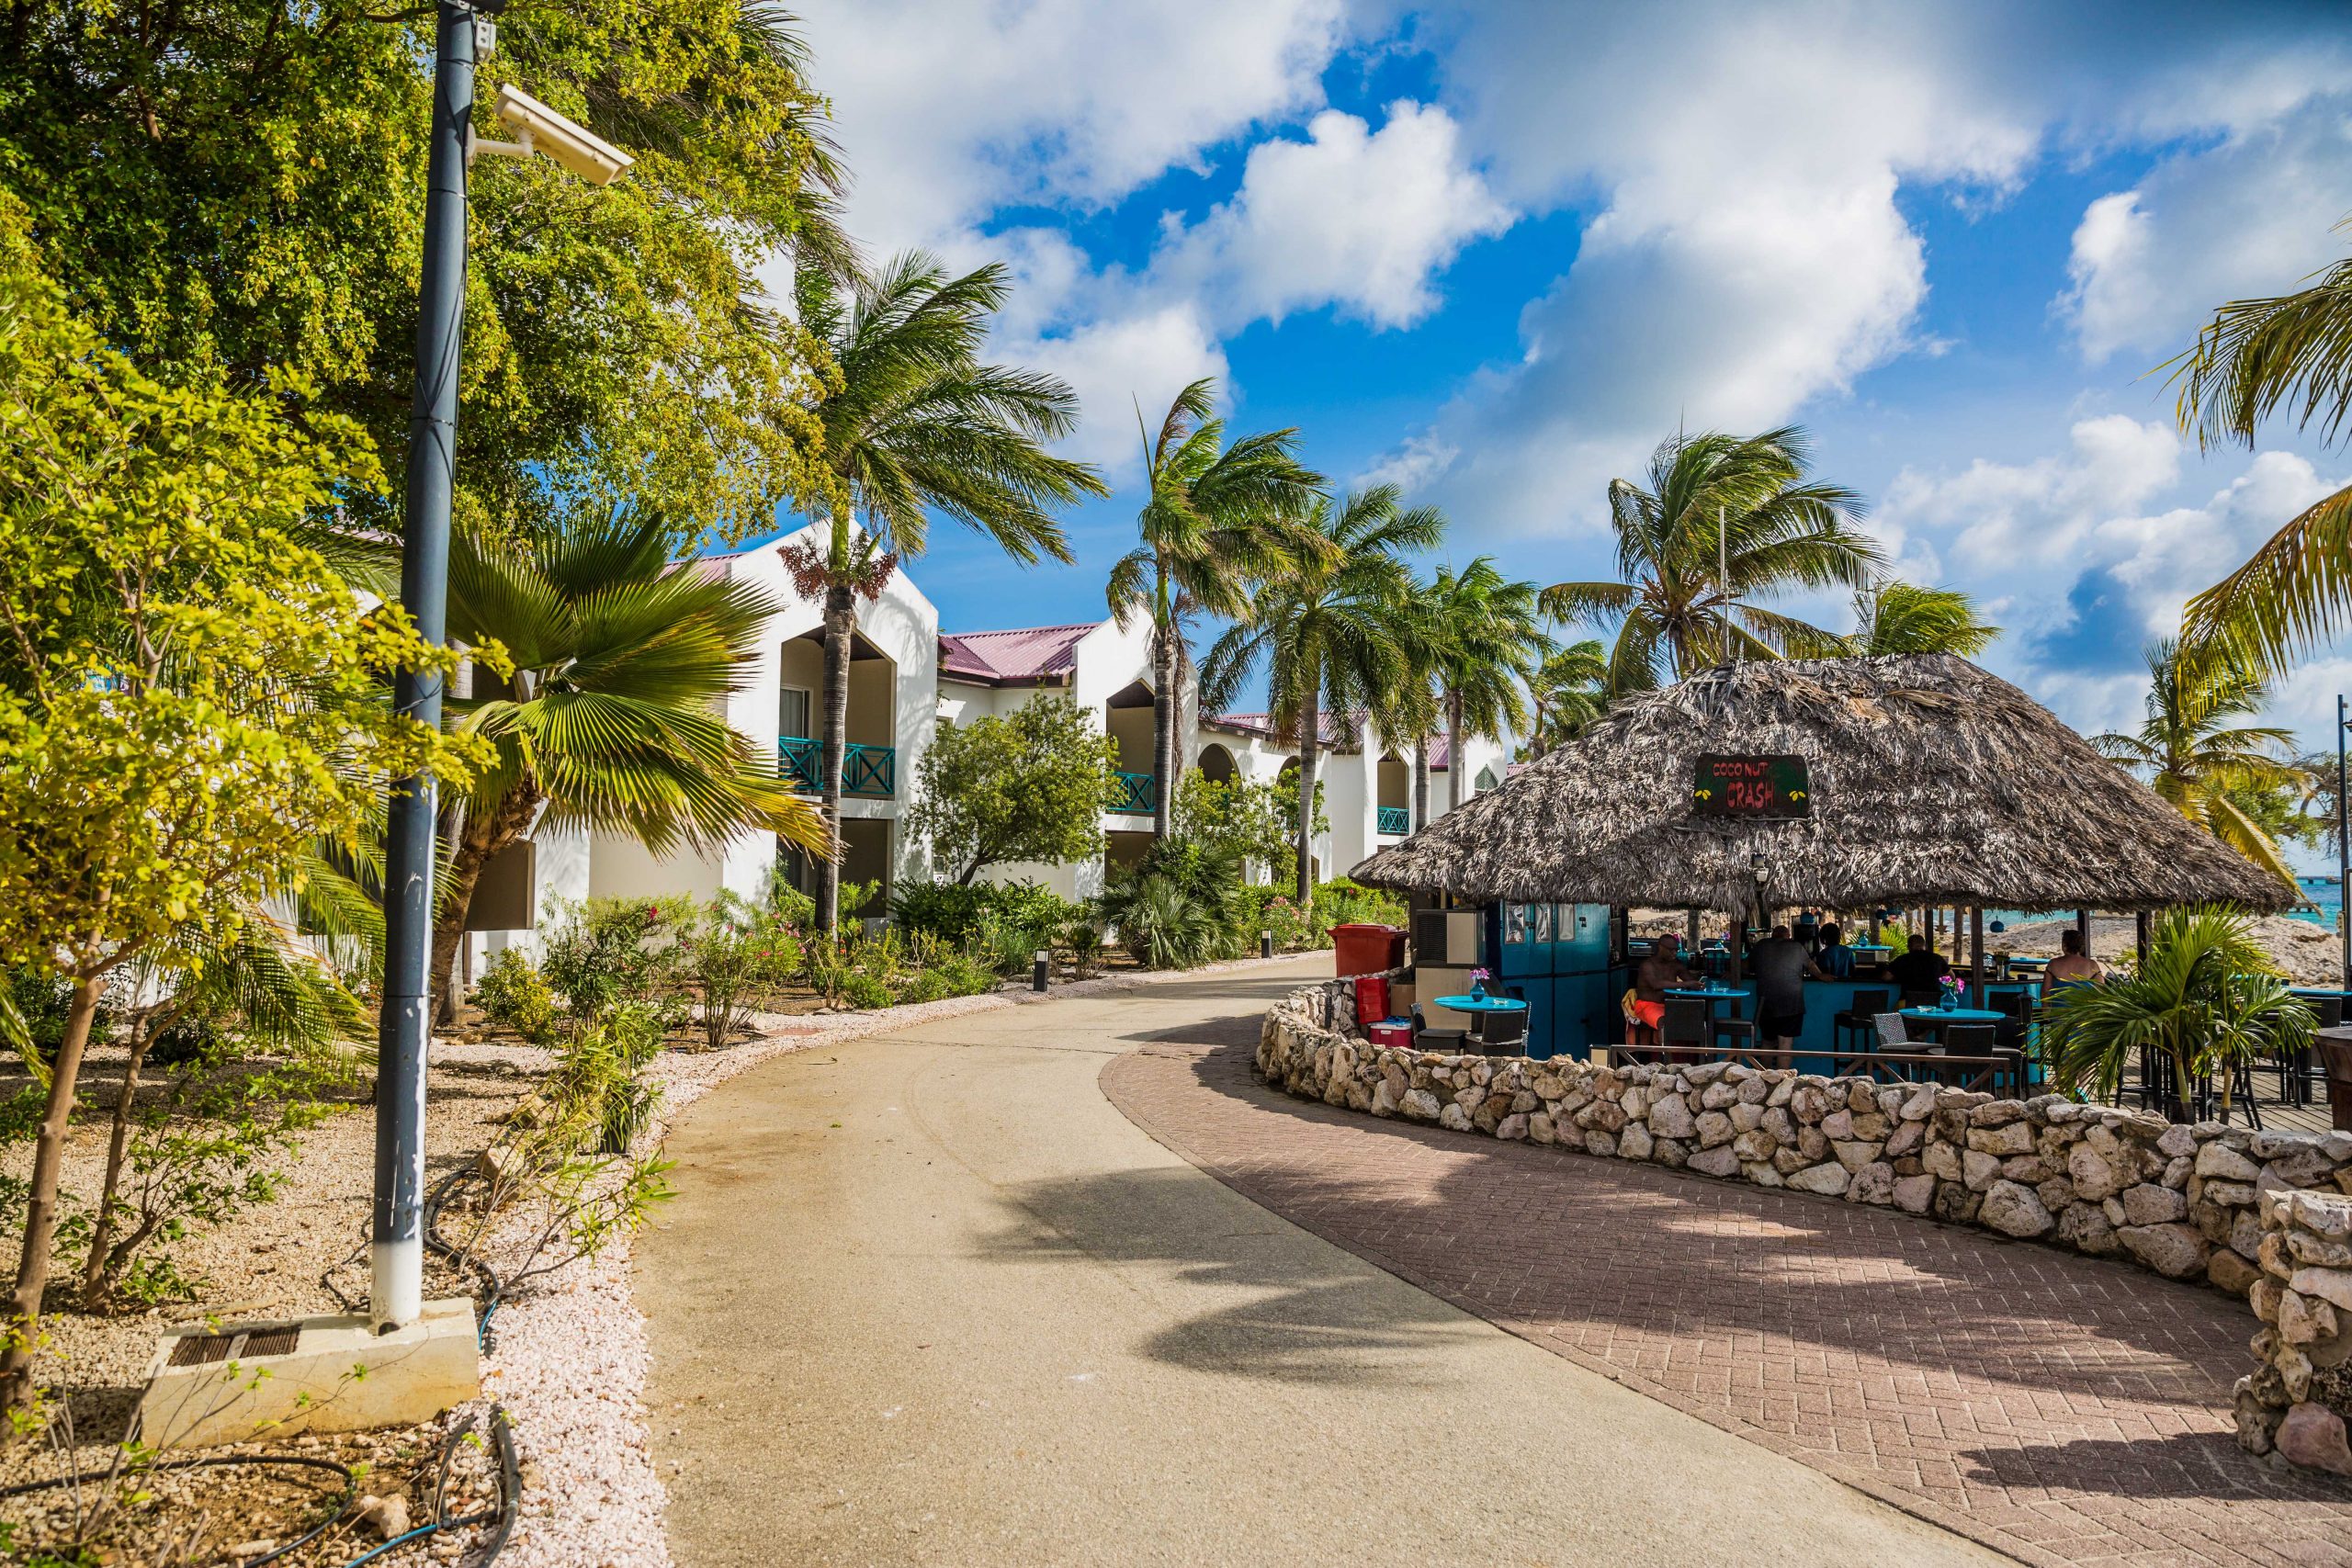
(567, 1357)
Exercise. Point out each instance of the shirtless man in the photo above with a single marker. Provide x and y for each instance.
(1662, 968)
(2072, 962)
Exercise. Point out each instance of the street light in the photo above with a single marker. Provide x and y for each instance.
(396, 1255)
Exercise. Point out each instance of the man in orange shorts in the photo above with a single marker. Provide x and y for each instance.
(1662, 968)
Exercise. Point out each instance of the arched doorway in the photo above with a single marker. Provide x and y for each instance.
(1393, 798)
(1216, 763)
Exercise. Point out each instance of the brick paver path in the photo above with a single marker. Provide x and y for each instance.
(2055, 1407)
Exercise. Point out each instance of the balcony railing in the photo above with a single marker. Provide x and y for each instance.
(871, 770)
(1396, 821)
(1134, 793)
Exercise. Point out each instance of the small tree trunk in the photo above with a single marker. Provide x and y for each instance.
(41, 1208)
(1421, 783)
(93, 1266)
(840, 625)
(485, 835)
(1455, 765)
(1308, 758)
(1166, 704)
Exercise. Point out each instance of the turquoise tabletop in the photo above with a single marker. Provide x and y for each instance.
(1483, 1004)
(1707, 990)
(1954, 1015)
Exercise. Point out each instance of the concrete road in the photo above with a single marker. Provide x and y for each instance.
(930, 1299)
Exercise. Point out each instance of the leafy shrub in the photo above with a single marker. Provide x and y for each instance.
(738, 955)
(514, 995)
(1162, 925)
(611, 948)
(194, 1040)
(42, 1001)
(1342, 902)
(597, 1092)
(1275, 910)
(948, 974)
(955, 914)
(1084, 937)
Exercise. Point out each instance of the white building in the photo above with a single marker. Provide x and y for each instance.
(905, 676)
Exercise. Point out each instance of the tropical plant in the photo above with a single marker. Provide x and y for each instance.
(2193, 753)
(1568, 696)
(1409, 711)
(1725, 520)
(2207, 998)
(2292, 356)
(513, 994)
(738, 955)
(190, 696)
(1031, 785)
(1214, 522)
(609, 719)
(1330, 630)
(1254, 819)
(602, 951)
(1161, 924)
(1487, 641)
(919, 423)
(1892, 617)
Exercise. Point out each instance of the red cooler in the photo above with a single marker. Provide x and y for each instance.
(1371, 998)
(1367, 949)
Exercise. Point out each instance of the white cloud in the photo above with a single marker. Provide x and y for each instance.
(1351, 216)
(1118, 363)
(2247, 216)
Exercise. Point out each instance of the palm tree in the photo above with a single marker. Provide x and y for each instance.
(1569, 694)
(1409, 709)
(1893, 617)
(608, 718)
(1213, 523)
(1726, 519)
(2291, 353)
(1489, 641)
(919, 422)
(1331, 631)
(2192, 756)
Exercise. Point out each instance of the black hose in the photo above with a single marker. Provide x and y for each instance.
(218, 1462)
(494, 1288)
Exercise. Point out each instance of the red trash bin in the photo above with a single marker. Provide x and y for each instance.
(1372, 998)
(1367, 949)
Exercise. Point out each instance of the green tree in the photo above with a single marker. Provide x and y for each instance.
(1243, 818)
(1030, 786)
(1214, 522)
(1726, 520)
(190, 697)
(1568, 694)
(2288, 356)
(2193, 753)
(1892, 617)
(1486, 638)
(237, 186)
(610, 719)
(1331, 629)
(918, 422)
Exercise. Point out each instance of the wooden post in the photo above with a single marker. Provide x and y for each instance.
(1976, 955)
(2082, 929)
(1692, 932)
(2143, 921)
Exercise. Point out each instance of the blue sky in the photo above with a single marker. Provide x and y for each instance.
(1495, 251)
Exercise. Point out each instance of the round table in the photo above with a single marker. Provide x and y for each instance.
(1942, 1016)
(1479, 1008)
(1711, 995)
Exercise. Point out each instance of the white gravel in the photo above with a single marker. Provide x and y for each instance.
(569, 1358)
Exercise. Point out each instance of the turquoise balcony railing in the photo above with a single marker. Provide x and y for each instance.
(1134, 793)
(870, 771)
(1396, 821)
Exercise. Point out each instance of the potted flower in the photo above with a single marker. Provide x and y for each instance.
(1478, 978)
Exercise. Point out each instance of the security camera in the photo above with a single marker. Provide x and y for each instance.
(539, 128)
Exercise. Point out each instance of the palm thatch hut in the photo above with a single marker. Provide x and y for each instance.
(1931, 783)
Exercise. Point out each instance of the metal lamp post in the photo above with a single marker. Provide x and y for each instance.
(396, 1256)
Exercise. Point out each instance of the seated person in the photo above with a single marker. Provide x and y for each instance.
(1836, 959)
(1920, 968)
(2072, 966)
(1662, 968)
(1782, 966)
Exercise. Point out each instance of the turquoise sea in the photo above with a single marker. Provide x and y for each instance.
(2325, 896)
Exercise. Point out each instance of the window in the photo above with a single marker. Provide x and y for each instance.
(792, 712)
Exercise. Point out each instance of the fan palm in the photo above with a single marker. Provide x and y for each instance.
(1409, 709)
(1331, 631)
(1726, 519)
(1214, 522)
(608, 720)
(1569, 693)
(2290, 355)
(919, 423)
(1894, 616)
(1489, 641)
(2195, 755)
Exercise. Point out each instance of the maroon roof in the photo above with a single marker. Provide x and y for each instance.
(1038, 653)
(1326, 731)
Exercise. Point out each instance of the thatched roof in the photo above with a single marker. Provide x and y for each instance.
(1932, 783)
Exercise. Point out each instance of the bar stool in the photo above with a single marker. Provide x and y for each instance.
(1859, 1020)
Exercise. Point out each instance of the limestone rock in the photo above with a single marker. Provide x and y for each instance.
(2331, 1285)
(2093, 1177)
(1719, 1160)
(2313, 1435)
(1670, 1118)
(1829, 1179)
(1511, 1128)
(2147, 1205)
(2083, 1226)
(1455, 1117)
(2014, 1138)
(2230, 1272)
(1635, 1142)
(1420, 1105)
(1913, 1193)
(2015, 1211)
(2219, 1160)
(1872, 1184)
(2174, 1250)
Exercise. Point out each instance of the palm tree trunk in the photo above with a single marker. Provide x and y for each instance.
(1308, 758)
(840, 625)
(1421, 783)
(1454, 762)
(484, 836)
(1166, 704)
(19, 1335)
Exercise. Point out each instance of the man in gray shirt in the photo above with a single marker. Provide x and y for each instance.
(1782, 966)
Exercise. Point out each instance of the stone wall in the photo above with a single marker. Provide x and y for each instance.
(2178, 1200)
(2295, 1404)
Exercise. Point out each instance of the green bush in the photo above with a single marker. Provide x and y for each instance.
(955, 914)
(514, 995)
(42, 1001)
(610, 948)
(739, 956)
(1343, 903)
(1162, 925)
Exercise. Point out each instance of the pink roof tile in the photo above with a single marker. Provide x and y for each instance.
(1036, 653)
(1327, 732)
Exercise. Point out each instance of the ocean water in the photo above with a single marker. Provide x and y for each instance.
(2325, 897)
